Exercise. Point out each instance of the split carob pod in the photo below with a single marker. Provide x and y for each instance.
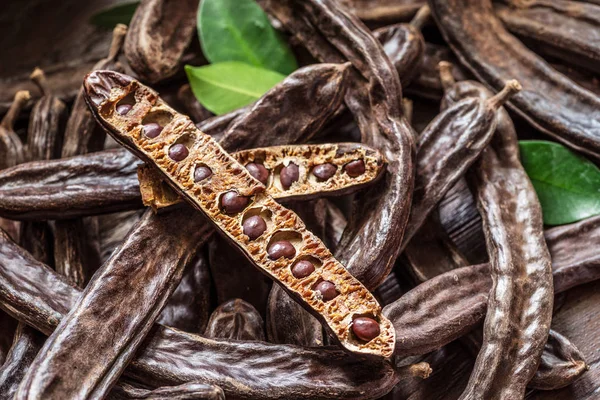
(186, 391)
(322, 165)
(188, 308)
(424, 322)
(236, 319)
(158, 34)
(431, 254)
(270, 235)
(382, 10)
(520, 302)
(37, 295)
(74, 257)
(549, 100)
(149, 253)
(441, 162)
(372, 239)
(562, 29)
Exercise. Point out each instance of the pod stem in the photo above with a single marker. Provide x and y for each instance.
(511, 88)
(422, 17)
(118, 38)
(445, 69)
(421, 370)
(39, 78)
(407, 109)
(21, 98)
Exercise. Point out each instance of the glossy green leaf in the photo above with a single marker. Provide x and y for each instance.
(226, 86)
(239, 30)
(119, 14)
(567, 184)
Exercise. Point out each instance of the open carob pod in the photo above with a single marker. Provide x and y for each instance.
(272, 237)
(295, 172)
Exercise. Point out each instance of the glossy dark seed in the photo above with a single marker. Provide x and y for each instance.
(324, 171)
(124, 108)
(289, 175)
(233, 203)
(327, 290)
(355, 168)
(283, 248)
(152, 130)
(178, 152)
(259, 172)
(302, 269)
(201, 173)
(254, 226)
(365, 328)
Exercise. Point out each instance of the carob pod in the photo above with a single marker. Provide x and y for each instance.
(382, 10)
(193, 108)
(230, 198)
(75, 249)
(38, 296)
(11, 147)
(320, 170)
(60, 370)
(186, 391)
(96, 183)
(372, 240)
(549, 100)
(158, 35)
(236, 319)
(7, 331)
(566, 30)
(113, 229)
(188, 308)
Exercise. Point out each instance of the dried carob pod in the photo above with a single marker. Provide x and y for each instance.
(40, 297)
(236, 319)
(187, 391)
(271, 236)
(549, 100)
(158, 35)
(562, 29)
(382, 10)
(11, 147)
(59, 371)
(321, 166)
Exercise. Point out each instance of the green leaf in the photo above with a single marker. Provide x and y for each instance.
(239, 30)
(226, 86)
(567, 184)
(119, 14)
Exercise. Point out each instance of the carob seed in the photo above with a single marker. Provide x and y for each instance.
(258, 172)
(324, 171)
(289, 175)
(152, 130)
(233, 203)
(201, 173)
(327, 290)
(124, 108)
(355, 168)
(282, 248)
(365, 328)
(302, 269)
(254, 226)
(178, 152)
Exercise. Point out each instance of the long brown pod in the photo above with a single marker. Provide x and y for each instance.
(549, 100)
(40, 297)
(187, 391)
(382, 10)
(72, 251)
(275, 239)
(236, 319)
(550, 25)
(60, 370)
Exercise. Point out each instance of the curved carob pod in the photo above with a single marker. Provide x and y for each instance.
(565, 30)
(186, 391)
(158, 35)
(59, 371)
(372, 240)
(322, 167)
(382, 10)
(549, 100)
(273, 237)
(188, 308)
(236, 319)
(38, 296)
(11, 147)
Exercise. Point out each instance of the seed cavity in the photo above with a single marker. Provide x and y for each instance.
(258, 172)
(152, 129)
(327, 290)
(355, 168)
(324, 171)
(254, 226)
(288, 175)
(366, 328)
(302, 269)
(202, 172)
(232, 202)
(178, 152)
